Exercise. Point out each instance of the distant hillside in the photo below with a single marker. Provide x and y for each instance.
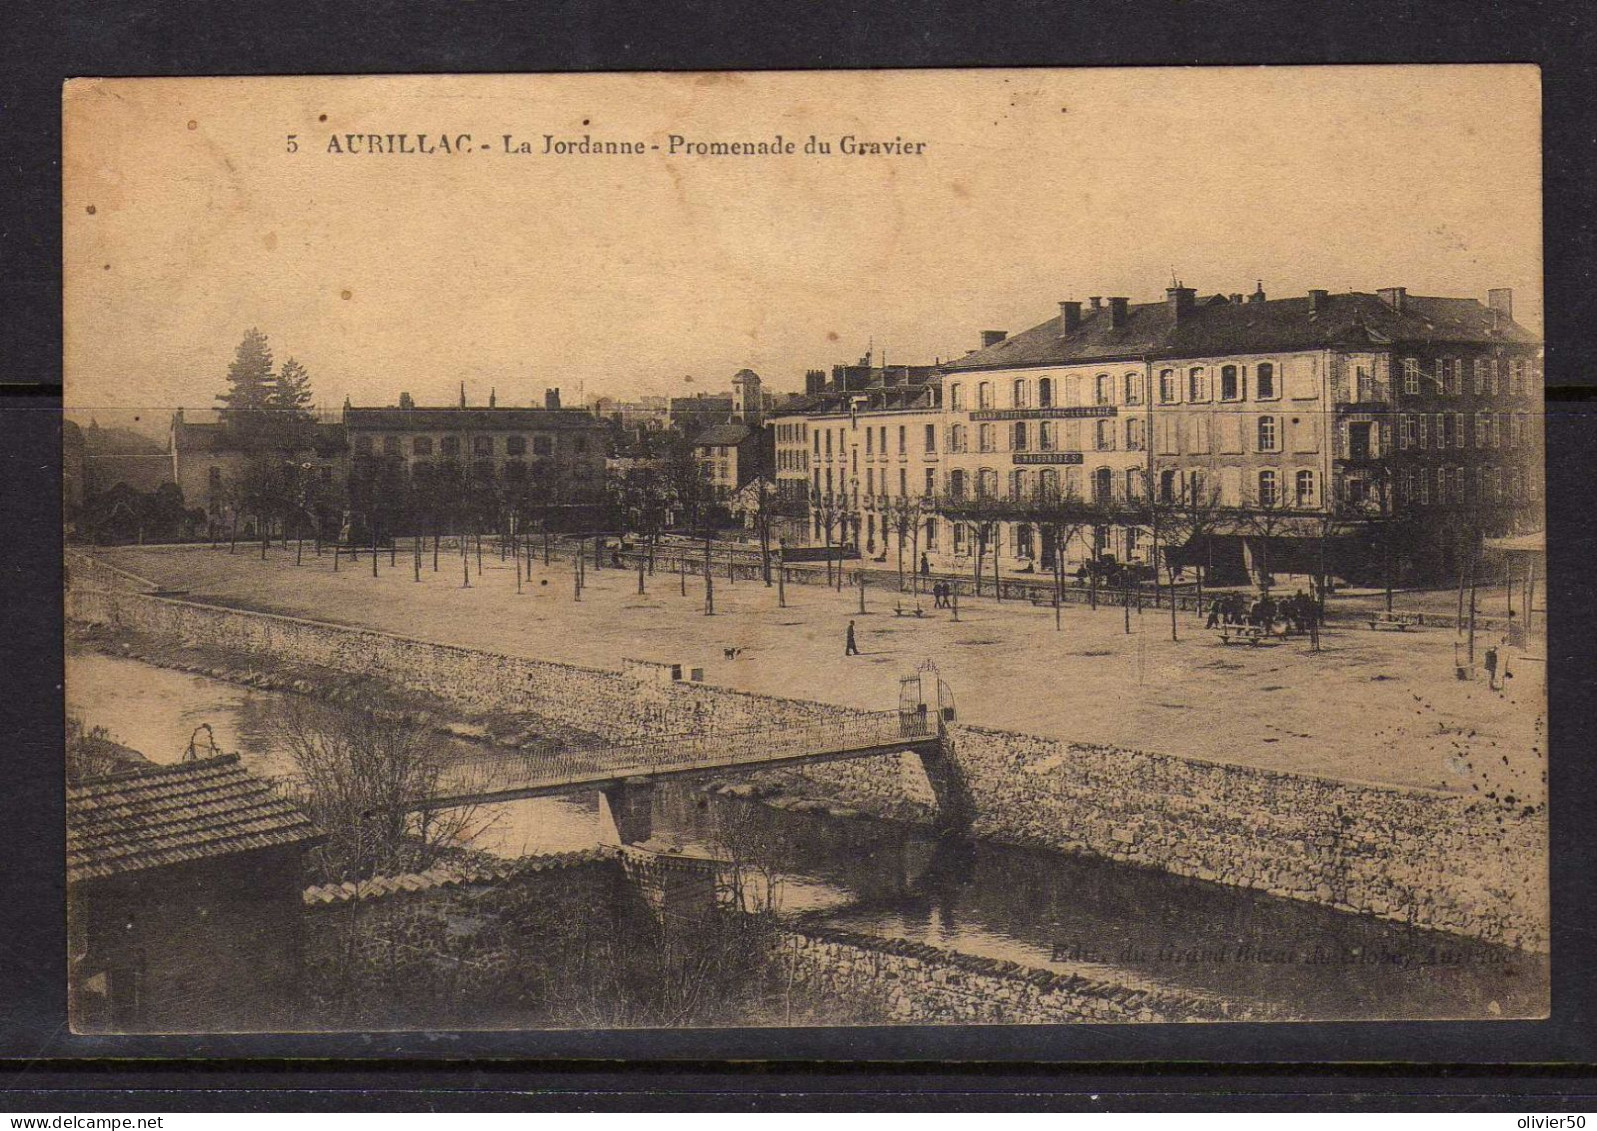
(116, 441)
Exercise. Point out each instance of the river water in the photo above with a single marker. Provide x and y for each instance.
(1037, 908)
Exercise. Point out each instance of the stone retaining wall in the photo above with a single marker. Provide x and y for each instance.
(1434, 859)
(912, 983)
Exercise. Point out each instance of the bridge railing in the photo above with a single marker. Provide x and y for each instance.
(511, 770)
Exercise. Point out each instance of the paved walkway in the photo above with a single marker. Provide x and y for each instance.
(1370, 706)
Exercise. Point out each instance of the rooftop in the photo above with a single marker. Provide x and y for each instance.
(1215, 326)
(454, 419)
(729, 434)
(189, 436)
(156, 816)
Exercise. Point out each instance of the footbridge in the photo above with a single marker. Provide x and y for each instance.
(624, 774)
(509, 775)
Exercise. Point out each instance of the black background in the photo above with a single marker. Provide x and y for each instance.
(1376, 1067)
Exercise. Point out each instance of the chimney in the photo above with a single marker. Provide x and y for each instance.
(814, 382)
(1069, 318)
(1501, 299)
(1258, 292)
(1097, 302)
(1394, 297)
(1182, 301)
(551, 398)
(1236, 299)
(493, 397)
(1118, 311)
(462, 394)
(992, 337)
(1318, 301)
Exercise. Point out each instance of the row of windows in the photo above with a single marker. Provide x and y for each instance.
(1448, 430)
(1052, 392)
(1424, 486)
(1489, 376)
(826, 487)
(1197, 385)
(875, 441)
(1107, 434)
(792, 433)
(449, 446)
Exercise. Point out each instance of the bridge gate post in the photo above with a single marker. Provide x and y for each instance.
(926, 703)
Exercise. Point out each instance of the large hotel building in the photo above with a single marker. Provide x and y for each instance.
(1358, 410)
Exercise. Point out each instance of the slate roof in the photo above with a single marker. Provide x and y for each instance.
(157, 816)
(326, 440)
(467, 419)
(729, 434)
(1211, 329)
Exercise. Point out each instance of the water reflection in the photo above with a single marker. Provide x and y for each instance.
(1032, 907)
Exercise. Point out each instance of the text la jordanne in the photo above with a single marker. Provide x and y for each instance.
(677, 145)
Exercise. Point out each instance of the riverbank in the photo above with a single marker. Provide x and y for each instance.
(1461, 864)
(1383, 707)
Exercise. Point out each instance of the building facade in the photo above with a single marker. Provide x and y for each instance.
(1058, 412)
(563, 447)
(1293, 423)
(857, 461)
(206, 461)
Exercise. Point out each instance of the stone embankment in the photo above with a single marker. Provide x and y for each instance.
(1440, 860)
(912, 983)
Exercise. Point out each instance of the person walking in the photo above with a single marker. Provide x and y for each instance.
(1491, 668)
(851, 648)
(925, 566)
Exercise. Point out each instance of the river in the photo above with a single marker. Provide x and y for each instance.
(1037, 908)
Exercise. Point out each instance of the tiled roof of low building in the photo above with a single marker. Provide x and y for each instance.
(156, 816)
(451, 875)
(1213, 329)
(468, 419)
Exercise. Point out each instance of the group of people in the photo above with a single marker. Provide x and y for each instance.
(942, 595)
(1297, 614)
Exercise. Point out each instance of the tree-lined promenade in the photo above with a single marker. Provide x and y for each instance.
(1367, 706)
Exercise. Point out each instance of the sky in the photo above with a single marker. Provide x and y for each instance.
(188, 220)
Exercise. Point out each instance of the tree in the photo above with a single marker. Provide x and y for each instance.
(92, 753)
(1060, 518)
(829, 508)
(903, 512)
(981, 512)
(1177, 520)
(248, 402)
(359, 772)
(290, 402)
(1266, 517)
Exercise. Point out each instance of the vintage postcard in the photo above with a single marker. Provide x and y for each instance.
(792, 549)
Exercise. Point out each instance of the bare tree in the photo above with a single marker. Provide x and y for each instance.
(359, 773)
(1060, 517)
(982, 513)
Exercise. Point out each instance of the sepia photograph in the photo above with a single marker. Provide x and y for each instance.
(796, 549)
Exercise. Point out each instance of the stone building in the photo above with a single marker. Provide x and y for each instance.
(1060, 409)
(205, 459)
(183, 898)
(495, 444)
(858, 458)
(731, 456)
(1382, 413)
